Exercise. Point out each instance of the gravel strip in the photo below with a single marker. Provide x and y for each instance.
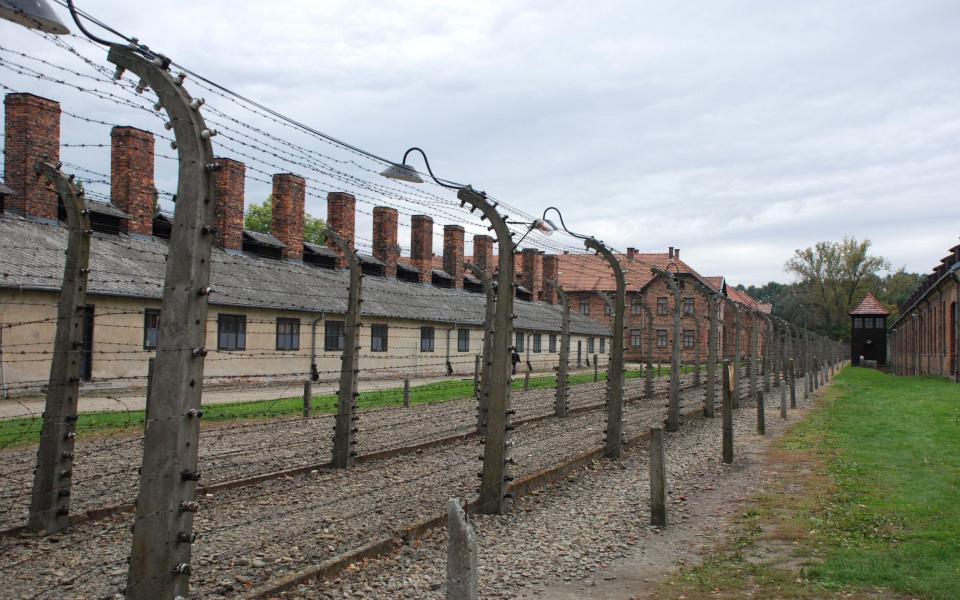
(571, 531)
(257, 533)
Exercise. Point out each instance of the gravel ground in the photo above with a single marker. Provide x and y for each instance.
(570, 532)
(105, 472)
(252, 534)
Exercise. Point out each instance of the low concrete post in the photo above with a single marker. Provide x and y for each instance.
(307, 399)
(793, 385)
(406, 392)
(526, 381)
(596, 369)
(461, 554)
(727, 411)
(346, 419)
(658, 479)
(761, 417)
(560, 399)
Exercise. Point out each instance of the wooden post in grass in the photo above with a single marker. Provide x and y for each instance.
(406, 392)
(307, 398)
(658, 479)
(727, 413)
(761, 417)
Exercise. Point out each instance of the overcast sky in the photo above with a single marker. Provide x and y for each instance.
(737, 131)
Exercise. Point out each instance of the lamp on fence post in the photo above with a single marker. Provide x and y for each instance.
(614, 433)
(493, 484)
(673, 280)
(32, 14)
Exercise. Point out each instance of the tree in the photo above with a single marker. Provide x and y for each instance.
(834, 276)
(259, 216)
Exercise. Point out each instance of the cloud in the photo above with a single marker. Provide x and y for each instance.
(737, 130)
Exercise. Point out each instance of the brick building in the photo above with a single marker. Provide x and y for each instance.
(923, 339)
(277, 302)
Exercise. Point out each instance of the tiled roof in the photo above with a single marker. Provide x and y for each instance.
(135, 267)
(714, 281)
(742, 298)
(870, 306)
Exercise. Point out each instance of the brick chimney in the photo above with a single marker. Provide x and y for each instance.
(551, 270)
(32, 131)
(385, 238)
(453, 253)
(421, 246)
(131, 177)
(230, 183)
(341, 217)
(670, 252)
(533, 272)
(483, 253)
(286, 223)
(631, 253)
(676, 253)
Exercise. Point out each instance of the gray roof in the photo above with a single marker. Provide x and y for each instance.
(5, 190)
(407, 267)
(321, 250)
(264, 238)
(369, 260)
(33, 259)
(105, 208)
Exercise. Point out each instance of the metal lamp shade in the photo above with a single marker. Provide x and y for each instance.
(33, 14)
(395, 171)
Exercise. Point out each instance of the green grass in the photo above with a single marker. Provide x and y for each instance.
(879, 463)
(24, 431)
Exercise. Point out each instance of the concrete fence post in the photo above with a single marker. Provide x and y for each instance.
(596, 369)
(713, 315)
(53, 476)
(648, 375)
(560, 400)
(476, 376)
(406, 392)
(727, 425)
(161, 550)
(151, 365)
(345, 427)
(658, 479)
(754, 352)
(483, 394)
(614, 430)
(307, 399)
(761, 416)
(793, 384)
(697, 342)
(526, 381)
(673, 407)
(462, 566)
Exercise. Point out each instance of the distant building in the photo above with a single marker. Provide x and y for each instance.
(868, 337)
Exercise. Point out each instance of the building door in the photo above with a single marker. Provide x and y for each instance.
(86, 347)
(579, 352)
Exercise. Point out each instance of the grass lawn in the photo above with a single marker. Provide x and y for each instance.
(23, 431)
(878, 514)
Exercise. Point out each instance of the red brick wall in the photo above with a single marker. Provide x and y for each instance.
(32, 132)
(287, 219)
(421, 246)
(551, 270)
(341, 217)
(483, 253)
(533, 272)
(453, 253)
(131, 177)
(229, 182)
(385, 238)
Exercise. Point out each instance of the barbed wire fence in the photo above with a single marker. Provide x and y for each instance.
(157, 489)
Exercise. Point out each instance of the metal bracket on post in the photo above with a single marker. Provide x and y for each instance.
(560, 403)
(160, 560)
(50, 502)
(673, 411)
(345, 424)
(614, 440)
(483, 397)
(493, 479)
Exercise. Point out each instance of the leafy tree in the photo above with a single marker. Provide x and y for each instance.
(259, 216)
(834, 276)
